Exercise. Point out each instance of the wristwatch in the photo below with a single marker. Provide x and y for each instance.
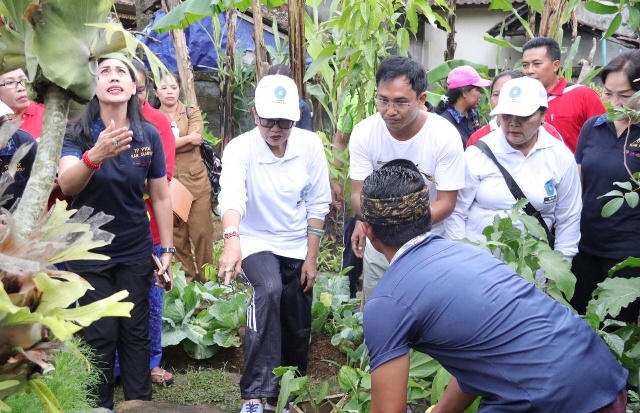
(170, 250)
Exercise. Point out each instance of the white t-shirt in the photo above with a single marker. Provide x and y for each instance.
(548, 176)
(275, 196)
(435, 149)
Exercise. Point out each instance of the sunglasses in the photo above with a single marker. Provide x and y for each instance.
(282, 123)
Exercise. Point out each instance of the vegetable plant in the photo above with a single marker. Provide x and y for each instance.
(203, 317)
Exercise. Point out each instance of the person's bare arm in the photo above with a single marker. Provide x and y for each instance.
(443, 206)
(389, 386)
(454, 400)
(230, 264)
(358, 239)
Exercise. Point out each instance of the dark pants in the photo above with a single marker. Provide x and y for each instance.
(349, 259)
(591, 270)
(129, 335)
(278, 323)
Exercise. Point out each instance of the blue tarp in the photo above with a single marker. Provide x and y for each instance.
(199, 41)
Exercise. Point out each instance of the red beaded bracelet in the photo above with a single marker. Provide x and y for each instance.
(88, 163)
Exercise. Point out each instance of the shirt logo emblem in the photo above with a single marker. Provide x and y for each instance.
(515, 92)
(549, 188)
(280, 92)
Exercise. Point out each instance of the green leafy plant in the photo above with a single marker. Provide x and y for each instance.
(73, 372)
(203, 317)
(525, 249)
(35, 298)
(329, 256)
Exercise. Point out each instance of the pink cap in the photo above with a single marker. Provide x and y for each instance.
(462, 76)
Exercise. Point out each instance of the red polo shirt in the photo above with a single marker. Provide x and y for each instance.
(157, 119)
(570, 105)
(32, 120)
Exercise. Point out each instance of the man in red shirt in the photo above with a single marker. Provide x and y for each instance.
(13, 92)
(570, 105)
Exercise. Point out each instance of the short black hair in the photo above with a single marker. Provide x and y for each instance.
(394, 67)
(280, 69)
(513, 74)
(627, 62)
(552, 46)
(397, 178)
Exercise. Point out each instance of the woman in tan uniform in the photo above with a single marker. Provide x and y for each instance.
(187, 125)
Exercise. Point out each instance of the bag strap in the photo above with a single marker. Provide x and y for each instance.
(514, 188)
(186, 110)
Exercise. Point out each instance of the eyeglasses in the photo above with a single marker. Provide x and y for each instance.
(282, 123)
(521, 119)
(384, 104)
(12, 84)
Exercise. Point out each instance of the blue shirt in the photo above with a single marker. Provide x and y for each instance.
(600, 153)
(23, 167)
(498, 335)
(117, 189)
(305, 121)
(465, 125)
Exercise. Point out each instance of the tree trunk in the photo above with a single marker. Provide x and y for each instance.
(36, 194)
(297, 51)
(227, 130)
(182, 59)
(262, 59)
(551, 18)
(451, 36)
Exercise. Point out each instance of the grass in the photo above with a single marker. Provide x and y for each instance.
(71, 376)
(201, 386)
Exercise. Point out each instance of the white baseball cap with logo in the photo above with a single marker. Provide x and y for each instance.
(277, 98)
(521, 97)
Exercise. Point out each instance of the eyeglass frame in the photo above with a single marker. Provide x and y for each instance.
(23, 82)
(385, 104)
(270, 123)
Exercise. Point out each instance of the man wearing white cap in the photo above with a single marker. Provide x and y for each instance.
(7, 151)
(274, 197)
(543, 168)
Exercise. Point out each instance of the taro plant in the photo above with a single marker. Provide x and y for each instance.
(203, 317)
(525, 248)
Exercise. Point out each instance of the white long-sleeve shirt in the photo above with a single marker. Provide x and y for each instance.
(548, 176)
(275, 196)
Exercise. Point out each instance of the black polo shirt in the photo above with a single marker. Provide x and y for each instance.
(117, 189)
(23, 167)
(601, 154)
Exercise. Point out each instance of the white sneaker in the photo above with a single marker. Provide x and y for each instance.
(251, 407)
(269, 407)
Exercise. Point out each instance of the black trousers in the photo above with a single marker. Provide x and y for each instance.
(129, 335)
(591, 270)
(278, 323)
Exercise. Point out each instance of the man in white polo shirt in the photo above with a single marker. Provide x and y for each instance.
(401, 130)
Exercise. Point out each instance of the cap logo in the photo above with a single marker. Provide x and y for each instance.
(280, 92)
(515, 92)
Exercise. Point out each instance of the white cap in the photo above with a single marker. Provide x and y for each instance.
(520, 97)
(4, 109)
(277, 98)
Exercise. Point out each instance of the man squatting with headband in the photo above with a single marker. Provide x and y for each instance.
(499, 336)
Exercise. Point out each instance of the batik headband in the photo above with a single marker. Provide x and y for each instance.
(396, 210)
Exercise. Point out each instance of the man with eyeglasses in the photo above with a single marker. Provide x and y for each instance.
(402, 129)
(26, 113)
(274, 198)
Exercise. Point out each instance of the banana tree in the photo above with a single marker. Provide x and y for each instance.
(59, 43)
